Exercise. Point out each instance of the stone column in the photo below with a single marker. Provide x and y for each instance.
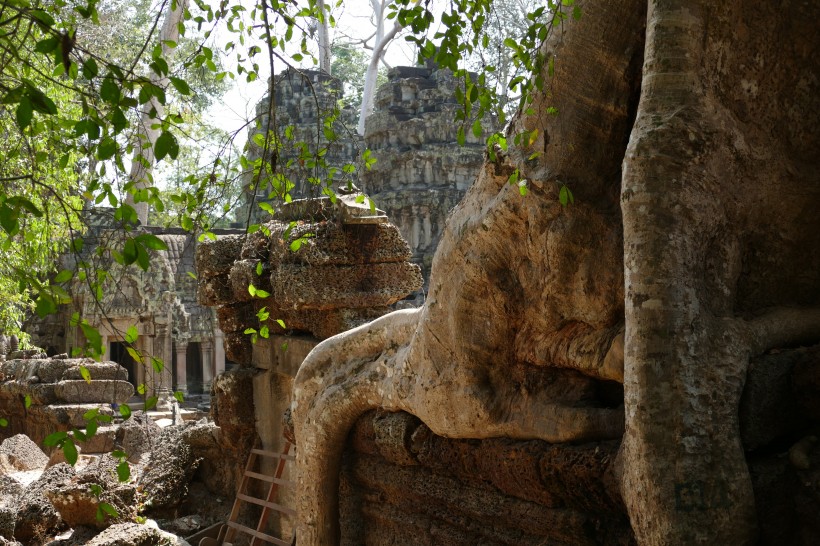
(182, 367)
(219, 352)
(207, 353)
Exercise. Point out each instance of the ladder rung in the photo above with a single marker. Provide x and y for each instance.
(271, 505)
(266, 478)
(273, 454)
(257, 534)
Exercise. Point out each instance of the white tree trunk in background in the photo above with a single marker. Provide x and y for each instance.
(143, 162)
(381, 40)
(324, 38)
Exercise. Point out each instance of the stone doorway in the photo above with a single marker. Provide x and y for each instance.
(119, 354)
(193, 368)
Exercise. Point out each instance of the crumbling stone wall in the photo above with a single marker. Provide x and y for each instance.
(402, 484)
(421, 172)
(351, 265)
(59, 396)
(296, 108)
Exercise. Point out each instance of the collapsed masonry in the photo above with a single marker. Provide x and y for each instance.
(349, 267)
(177, 468)
(420, 173)
(39, 396)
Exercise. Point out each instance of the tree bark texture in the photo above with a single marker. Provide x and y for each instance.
(717, 193)
(687, 133)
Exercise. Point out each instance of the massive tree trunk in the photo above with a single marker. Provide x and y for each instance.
(702, 120)
(720, 211)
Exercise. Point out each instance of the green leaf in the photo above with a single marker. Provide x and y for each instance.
(477, 128)
(90, 68)
(118, 121)
(180, 85)
(131, 334)
(180, 396)
(166, 145)
(105, 509)
(93, 337)
(140, 389)
(27, 401)
(109, 90)
(281, 323)
(150, 403)
(123, 471)
(157, 364)
(460, 137)
(55, 438)
(64, 276)
(45, 305)
(48, 45)
(24, 113)
(91, 428)
(70, 451)
(85, 374)
(133, 353)
(4, 422)
(152, 241)
(129, 252)
(125, 410)
(106, 149)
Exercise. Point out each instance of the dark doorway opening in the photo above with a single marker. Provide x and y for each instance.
(193, 368)
(119, 354)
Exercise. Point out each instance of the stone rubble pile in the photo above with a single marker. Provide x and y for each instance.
(41, 499)
(350, 265)
(39, 396)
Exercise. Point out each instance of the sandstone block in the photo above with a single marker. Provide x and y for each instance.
(20, 453)
(238, 348)
(329, 287)
(236, 318)
(282, 353)
(79, 392)
(216, 257)
(213, 291)
(331, 243)
(246, 273)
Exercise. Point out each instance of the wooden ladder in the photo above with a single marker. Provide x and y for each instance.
(231, 528)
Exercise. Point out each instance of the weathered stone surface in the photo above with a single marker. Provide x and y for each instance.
(329, 287)
(77, 504)
(137, 435)
(35, 513)
(769, 407)
(10, 491)
(170, 467)
(244, 274)
(282, 354)
(82, 392)
(238, 348)
(56, 393)
(401, 484)
(136, 534)
(333, 243)
(806, 381)
(217, 257)
(214, 290)
(232, 409)
(443, 496)
(236, 317)
(20, 453)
